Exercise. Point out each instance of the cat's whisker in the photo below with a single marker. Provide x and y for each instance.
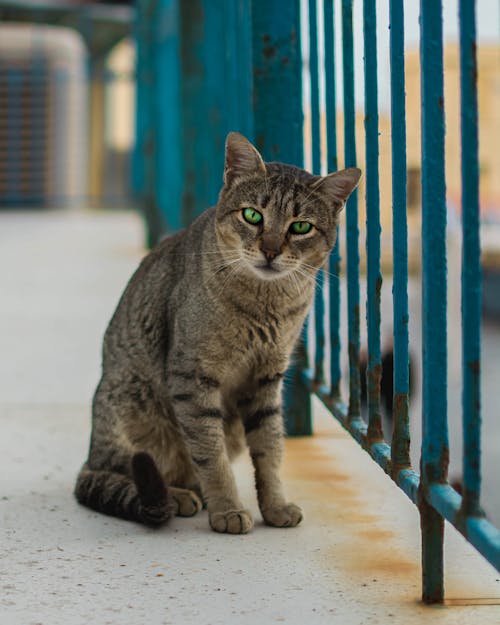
(294, 281)
(307, 276)
(232, 274)
(218, 264)
(325, 271)
(221, 268)
(205, 253)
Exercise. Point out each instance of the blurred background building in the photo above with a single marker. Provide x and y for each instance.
(66, 104)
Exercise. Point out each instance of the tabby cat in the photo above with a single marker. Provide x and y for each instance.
(194, 356)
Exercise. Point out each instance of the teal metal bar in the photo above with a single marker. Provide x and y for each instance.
(435, 454)
(319, 299)
(158, 117)
(187, 54)
(278, 117)
(314, 78)
(330, 86)
(401, 432)
(471, 263)
(166, 139)
(237, 26)
(374, 276)
(277, 80)
(352, 211)
(332, 165)
(319, 327)
(208, 112)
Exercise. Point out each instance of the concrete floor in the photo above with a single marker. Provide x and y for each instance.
(355, 558)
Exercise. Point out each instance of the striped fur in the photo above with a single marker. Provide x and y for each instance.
(195, 354)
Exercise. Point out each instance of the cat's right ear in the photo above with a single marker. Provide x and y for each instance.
(337, 187)
(242, 159)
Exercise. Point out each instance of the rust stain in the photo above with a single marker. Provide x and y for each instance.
(376, 534)
(400, 440)
(474, 366)
(473, 53)
(383, 564)
(365, 546)
(367, 549)
(466, 601)
(269, 52)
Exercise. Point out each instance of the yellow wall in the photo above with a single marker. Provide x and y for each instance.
(489, 121)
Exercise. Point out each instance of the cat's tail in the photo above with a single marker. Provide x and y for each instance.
(142, 497)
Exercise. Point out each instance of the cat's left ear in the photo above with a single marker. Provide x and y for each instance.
(337, 187)
(242, 159)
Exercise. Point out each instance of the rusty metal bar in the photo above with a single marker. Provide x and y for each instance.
(319, 298)
(435, 453)
(352, 211)
(332, 165)
(374, 276)
(471, 263)
(277, 122)
(401, 432)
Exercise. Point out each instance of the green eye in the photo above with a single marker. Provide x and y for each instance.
(252, 216)
(300, 227)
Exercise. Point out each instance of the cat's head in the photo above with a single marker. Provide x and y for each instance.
(276, 218)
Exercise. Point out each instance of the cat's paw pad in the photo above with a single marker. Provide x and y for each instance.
(231, 521)
(288, 515)
(187, 503)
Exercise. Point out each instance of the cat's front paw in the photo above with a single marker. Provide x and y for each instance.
(231, 521)
(288, 515)
(187, 503)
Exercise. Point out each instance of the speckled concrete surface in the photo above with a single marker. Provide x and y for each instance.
(355, 558)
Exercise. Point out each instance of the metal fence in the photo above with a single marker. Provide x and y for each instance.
(435, 498)
(257, 88)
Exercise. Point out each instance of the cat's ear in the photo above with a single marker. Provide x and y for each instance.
(242, 159)
(337, 187)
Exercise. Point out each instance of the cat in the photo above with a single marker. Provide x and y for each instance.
(195, 354)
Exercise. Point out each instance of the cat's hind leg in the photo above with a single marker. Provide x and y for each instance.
(141, 496)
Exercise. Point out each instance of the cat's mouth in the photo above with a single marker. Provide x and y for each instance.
(268, 271)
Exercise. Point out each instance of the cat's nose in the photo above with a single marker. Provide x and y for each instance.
(269, 254)
(270, 247)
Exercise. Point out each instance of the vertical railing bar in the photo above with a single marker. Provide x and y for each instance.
(400, 448)
(352, 211)
(319, 303)
(435, 452)
(374, 276)
(332, 165)
(330, 85)
(471, 263)
(279, 130)
(314, 78)
(319, 328)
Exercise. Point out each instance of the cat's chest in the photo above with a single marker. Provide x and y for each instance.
(254, 350)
